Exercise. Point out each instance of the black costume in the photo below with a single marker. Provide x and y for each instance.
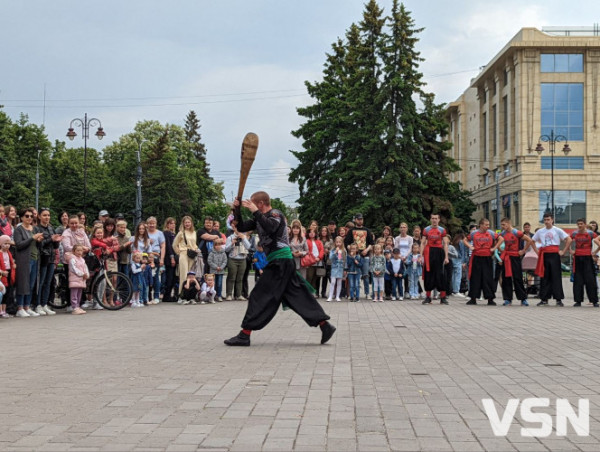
(279, 282)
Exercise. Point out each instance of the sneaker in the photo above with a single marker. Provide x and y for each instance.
(69, 308)
(179, 301)
(186, 302)
(5, 315)
(327, 330)
(97, 307)
(241, 340)
(78, 311)
(472, 301)
(524, 303)
(202, 302)
(426, 301)
(156, 301)
(401, 298)
(212, 301)
(48, 311)
(229, 298)
(32, 313)
(444, 300)
(141, 305)
(40, 310)
(85, 305)
(559, 303)
(577, 304)
(491, 303)
(22, 313)
(507, 303)
(338, 299)
(458, 294)
(596, 305)
(241, 298)
(329, 299)
(393, 298)
(542, 303)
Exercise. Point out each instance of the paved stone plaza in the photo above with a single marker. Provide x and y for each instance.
(395, 376)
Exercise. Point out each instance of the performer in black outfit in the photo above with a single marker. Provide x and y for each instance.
(279, 281)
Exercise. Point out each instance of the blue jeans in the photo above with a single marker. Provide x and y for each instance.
(456, 274)
(365, 274)
(155, 289)
(397, 282)
(219, 285)
(354, 283)
(413, 284)
(124, 268)
(46, 275)
(25, 300)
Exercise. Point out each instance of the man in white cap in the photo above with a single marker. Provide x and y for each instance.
(103, 215)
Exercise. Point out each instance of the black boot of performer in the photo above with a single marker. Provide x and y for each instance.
(241, 340)
(327, 330)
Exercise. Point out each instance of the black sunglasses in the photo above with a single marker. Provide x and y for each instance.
(28, 216)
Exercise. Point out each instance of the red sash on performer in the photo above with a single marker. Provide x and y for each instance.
(505, 257)
(426, 257)
(539, 268)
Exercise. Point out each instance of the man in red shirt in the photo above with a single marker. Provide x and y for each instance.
(434, 249)
(583, 264)
(481, 269)
(512, 272)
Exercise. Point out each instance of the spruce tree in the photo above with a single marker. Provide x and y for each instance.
(372, 139)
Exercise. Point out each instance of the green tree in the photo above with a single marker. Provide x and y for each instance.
(372, 139)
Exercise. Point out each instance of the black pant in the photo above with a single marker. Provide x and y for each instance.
(435, 278)
(189, 294)
(482, 278)
(584, 277)
(387, 287)
(515, 281)
(245, 278)
(280, 282)
(551, 285)
(169, 283)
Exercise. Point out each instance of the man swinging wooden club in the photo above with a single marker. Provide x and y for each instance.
(279, 282)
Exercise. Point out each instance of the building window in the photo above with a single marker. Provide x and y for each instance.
(517, 218)
(505, 77)
(506, 169)
(569, 205)
(494, 131)
(563, 163)
(484, 121)
(505, 120)
(486, 179)
(562, 110)
(562, 62)
(486, 210)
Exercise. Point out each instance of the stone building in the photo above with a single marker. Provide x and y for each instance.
(543, 85)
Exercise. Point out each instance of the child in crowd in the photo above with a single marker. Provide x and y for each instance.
(387, 276)
(7, 274)
(414, 269)
(354, 264)
(190, 289)
(137, 279)
(337, 258)
(260, 261)
(397, 272)
(207, 293)
(217, 262)
(148, 277)
(378, 268)
(389, 244)
(78, 274)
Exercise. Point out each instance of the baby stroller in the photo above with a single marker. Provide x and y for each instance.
(530, 280)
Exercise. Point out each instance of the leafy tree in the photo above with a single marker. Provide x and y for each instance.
(372, 139)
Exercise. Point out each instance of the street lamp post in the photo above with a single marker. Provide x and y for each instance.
(138, 183)
(552, 140)
(37, 182)
(85, 125)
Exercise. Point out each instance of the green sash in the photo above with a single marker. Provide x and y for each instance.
(286, 253)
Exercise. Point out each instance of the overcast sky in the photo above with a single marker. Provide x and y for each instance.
(241, 65)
